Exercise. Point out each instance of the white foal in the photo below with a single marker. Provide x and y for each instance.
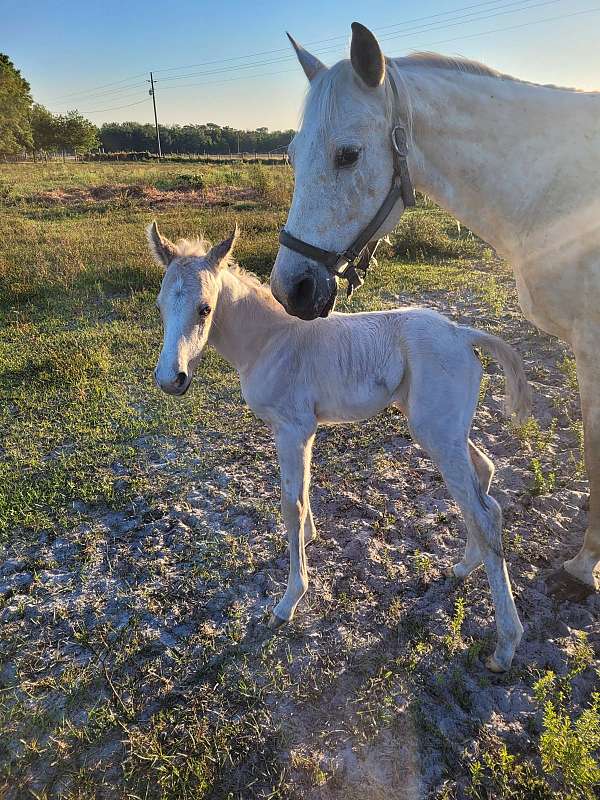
(296, 375)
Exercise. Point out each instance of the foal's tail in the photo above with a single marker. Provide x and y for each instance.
(518, 391)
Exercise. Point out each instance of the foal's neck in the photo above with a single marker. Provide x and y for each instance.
(247, 316)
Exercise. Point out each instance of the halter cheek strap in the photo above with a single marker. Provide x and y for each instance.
(356, 258)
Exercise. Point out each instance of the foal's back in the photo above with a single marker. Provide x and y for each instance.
(349, 367)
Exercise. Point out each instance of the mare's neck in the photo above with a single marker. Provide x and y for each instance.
(489, 150)
(246, 318)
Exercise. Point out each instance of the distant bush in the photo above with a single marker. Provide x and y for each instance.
(181, 183)
(272, 187)
(134, 155)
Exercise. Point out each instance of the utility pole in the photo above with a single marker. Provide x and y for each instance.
(152, 93)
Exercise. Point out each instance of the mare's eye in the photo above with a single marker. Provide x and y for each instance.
(204, 310)
(347, 156)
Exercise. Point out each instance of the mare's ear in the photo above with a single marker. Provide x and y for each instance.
(309, 63)
(220, 255)
(161, 248)
(366, 56)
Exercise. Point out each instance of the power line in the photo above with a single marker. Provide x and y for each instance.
(343, 37)
(114, 108)
(452, 21)
(432, 44)
(103, 98)
(516, 27)
(103, 86)
(453, 24)
(413, 32)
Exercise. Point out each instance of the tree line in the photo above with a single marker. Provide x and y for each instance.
(208, 138)
(26, 126)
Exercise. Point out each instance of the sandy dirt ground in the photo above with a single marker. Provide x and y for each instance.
(158, 611)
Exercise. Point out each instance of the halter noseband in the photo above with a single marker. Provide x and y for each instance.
(358, 256)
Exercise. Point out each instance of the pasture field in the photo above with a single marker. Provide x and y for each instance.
(142, 546)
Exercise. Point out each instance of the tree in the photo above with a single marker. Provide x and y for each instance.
(43, 128)
(15, 105)
(76, 133)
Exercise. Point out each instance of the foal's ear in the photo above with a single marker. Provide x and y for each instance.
(161, 248)
(220, 255)
(309, 63)
(366, 56)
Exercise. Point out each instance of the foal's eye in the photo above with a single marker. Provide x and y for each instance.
(347, 156)
(204, 310)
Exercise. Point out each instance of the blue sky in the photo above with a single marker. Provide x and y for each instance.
(70, 50)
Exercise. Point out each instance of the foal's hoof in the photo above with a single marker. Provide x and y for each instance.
(276, 622)
(495, 666)
(565, 586)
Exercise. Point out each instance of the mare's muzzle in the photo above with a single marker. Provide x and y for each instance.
(312, 295)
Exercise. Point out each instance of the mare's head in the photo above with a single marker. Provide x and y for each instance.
(343, 164)
(187, 300)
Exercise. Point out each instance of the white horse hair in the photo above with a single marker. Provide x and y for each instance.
(296, 375)
(516, 162)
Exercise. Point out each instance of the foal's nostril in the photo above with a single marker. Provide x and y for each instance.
(180, 379)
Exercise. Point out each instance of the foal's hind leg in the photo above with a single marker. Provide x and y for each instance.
(482, 514)
(310, 529)
(483, 466)
(472, 557)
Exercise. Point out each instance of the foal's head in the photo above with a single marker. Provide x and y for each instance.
(186, 301)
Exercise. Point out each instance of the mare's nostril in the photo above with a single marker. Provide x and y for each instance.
(180, 379)
(302, 298)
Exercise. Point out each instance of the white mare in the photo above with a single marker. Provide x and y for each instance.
(296, 375)
(516, 162)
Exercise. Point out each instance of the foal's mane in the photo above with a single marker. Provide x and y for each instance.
(198, 247)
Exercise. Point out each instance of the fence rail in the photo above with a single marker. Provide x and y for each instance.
(201, 158)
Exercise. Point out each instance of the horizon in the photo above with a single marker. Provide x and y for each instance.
(246, 76)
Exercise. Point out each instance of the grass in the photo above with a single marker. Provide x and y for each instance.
(92, 700)
(453, 639)
(567, 745)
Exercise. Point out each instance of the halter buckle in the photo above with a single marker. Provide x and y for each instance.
(355, 281)
(399, 142)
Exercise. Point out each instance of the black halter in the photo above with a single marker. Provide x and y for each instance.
(358, 256)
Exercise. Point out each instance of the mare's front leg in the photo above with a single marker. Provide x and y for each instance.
(294, 447)
(577, 579)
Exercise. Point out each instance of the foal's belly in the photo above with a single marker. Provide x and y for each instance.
(361, 403)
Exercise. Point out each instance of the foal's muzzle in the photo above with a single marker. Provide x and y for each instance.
(177, 387)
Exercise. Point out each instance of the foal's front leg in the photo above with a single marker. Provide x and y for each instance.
(294, 446)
